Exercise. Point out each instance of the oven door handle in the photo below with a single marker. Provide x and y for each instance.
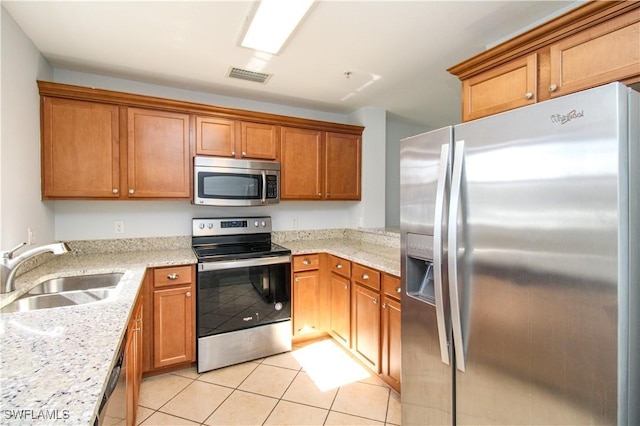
(243, 263)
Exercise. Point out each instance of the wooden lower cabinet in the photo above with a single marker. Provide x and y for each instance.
(390, 343)
(169, 333)
(133, 356)
(366, 325)
(306, 294)
(340, 309)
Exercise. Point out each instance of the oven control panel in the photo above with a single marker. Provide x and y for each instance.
(230, 225)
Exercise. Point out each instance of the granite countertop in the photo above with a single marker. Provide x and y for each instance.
(55, 363)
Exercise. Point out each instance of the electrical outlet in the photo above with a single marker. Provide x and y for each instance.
(118, 227)
(31, 236)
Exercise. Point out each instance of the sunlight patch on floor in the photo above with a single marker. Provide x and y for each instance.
(329, 366)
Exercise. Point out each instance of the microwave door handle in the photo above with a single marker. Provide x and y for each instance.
(264, 187)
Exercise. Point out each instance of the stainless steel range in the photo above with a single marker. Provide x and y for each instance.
(243, 305)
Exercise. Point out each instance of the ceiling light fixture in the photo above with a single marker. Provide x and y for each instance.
(273, 23)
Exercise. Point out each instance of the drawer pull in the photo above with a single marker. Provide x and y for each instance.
(553, 87)
(114, 190)
(173, 276)
(188, 294)
(365, 276)
(384, 305)
(306, 262)
(346, 287)
(339, 266)
(398, 290)
(375, 301)
(528, 96)
(297, 279)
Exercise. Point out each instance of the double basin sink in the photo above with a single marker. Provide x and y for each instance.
(66, 291)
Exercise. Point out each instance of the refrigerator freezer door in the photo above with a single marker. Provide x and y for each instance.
(537, 257)
(427, 379)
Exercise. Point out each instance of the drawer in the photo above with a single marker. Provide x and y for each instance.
(306, 262)
(366, 276)
(391, 286)
(340, 266)
(174, 275)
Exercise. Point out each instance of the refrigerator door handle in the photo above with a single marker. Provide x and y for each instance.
(456, 323)
(437, 252)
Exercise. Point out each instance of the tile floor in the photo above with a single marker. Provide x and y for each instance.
(315, 384)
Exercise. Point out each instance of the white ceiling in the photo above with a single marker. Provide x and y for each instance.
(397, 51)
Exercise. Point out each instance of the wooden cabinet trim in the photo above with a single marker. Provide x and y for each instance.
(132, 100)
(574, 21)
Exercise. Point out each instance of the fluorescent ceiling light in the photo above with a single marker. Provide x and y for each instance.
(273, 23)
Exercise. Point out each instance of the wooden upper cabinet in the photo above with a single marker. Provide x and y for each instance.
(342, 166)
(159, 154)
(594, 44)
(221, 137)
(258, 141)
(80, 149)
(215, 136)
(301, 159)
(320, 165)
(505, 87)
(602, 54)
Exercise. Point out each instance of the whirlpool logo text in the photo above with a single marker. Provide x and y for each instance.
(565, 118)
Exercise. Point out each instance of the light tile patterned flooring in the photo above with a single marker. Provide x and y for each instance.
(317, 383)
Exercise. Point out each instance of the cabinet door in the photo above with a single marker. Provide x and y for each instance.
(80, 149)
(215, 136)
(301, 159)
(340, 309)
(158, 154)
(366, 325)
(607, 52)
(391, 356)
(173, 326)
(502, 88)
(306, 287)
(259, 141)
(342, 166)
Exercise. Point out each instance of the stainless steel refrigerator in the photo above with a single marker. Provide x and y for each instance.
(521, 266)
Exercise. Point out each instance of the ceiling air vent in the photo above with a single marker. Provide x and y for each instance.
(258, 77)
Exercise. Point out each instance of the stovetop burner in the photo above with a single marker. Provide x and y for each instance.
(217, 239)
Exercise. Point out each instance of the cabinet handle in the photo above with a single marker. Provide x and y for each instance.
(346, 287)
(375, 301)
(528, 95)
(137, 329)
(244, 154)
(131, 191)
(553, 87)
(188, 294)
(339, 266)
(328, 195)
(365, 276)
(233, 153)
(384, 305)
(319, 194)
(114, 190)
(297, 279)
(306, 262)
(398, 290)
(173, 276)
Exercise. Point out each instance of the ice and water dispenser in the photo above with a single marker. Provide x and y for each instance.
(419, 267)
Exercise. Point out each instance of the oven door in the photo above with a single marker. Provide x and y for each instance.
(243, 310)
(244, 293)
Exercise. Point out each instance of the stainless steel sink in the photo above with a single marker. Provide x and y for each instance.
(76, 282)
(66, 291)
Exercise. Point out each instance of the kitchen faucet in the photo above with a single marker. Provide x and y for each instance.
(9, 263)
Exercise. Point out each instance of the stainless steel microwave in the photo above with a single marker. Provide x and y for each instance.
(232, 182)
